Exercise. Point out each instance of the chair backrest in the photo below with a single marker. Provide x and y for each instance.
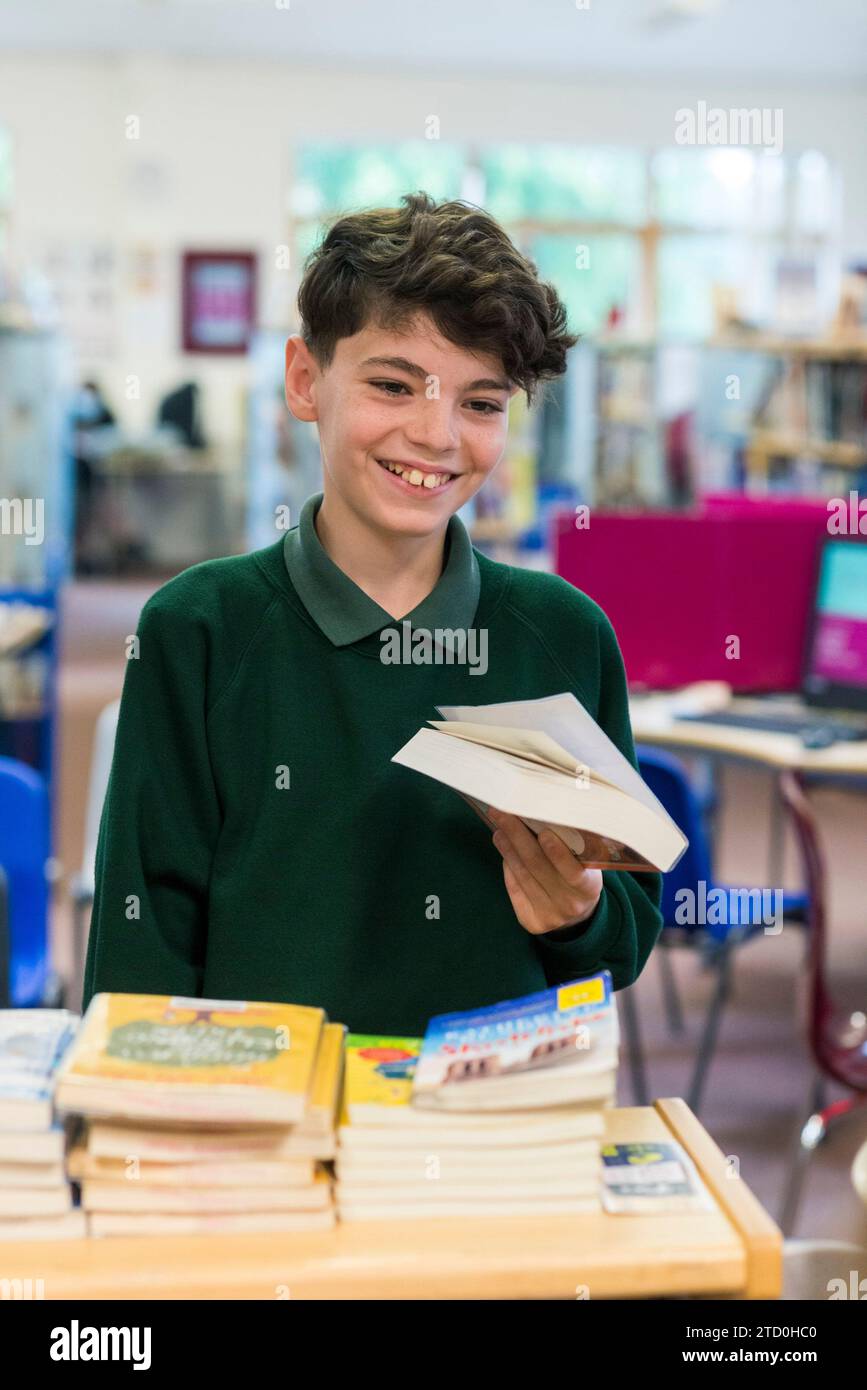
(5, 949)
(24, 853)
(37, 746)
(100, 771)
(669, 781)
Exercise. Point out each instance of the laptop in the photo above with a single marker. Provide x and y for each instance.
(832, 706)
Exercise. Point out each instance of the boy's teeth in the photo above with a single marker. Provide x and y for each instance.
(416, 477)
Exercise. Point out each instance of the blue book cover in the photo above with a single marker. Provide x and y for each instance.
(536, 1032)
(32, 1044)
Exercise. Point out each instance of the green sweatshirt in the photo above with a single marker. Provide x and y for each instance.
(257, 842)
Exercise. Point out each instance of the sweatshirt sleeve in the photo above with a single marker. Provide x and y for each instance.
(623, 929)
(160, 819)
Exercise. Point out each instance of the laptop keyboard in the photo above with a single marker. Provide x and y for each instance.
(837, 730)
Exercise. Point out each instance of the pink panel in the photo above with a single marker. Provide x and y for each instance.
(676, 586)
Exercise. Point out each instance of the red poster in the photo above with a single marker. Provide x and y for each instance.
(218, 300)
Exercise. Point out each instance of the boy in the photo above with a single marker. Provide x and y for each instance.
(257, 842)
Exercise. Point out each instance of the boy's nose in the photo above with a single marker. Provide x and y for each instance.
(434, 426)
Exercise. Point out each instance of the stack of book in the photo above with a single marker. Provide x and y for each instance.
(35, 1195)
(203, 1115)
(498, 1112)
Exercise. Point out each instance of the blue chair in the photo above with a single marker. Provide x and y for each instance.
(32, 739)
(24, 855)
(667, 778)
(5, 952)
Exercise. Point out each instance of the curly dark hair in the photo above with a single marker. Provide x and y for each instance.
(449, 260)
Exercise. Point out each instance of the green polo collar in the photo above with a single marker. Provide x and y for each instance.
(346, 614)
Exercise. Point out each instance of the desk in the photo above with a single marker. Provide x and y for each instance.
(732, 1251)
(653, 722)
(176, 507)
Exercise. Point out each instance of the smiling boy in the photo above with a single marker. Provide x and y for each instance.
(257, 841)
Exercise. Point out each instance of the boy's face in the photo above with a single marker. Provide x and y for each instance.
(409, 401)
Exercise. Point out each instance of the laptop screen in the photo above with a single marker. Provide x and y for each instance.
(837, 656)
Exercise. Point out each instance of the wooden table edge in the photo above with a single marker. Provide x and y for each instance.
(763, 749)
(761, 1237)
(753, 1272)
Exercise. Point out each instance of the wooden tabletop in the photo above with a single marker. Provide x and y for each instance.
(734, 1250)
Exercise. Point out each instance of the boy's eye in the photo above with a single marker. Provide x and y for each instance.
(391, 388)
(396, 388)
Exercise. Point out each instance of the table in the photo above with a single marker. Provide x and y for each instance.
(653, 721)
(732, 1251)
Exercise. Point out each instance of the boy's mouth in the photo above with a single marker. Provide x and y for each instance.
(418, 480)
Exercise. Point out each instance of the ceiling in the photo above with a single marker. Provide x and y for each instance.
(735, 39)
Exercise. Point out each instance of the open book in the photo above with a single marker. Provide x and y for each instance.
(548, 762)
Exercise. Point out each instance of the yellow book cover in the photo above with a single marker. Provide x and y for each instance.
(378, 1072)
(327, 1076)
(164, 1041)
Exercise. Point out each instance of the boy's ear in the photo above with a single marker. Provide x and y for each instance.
(300, 378)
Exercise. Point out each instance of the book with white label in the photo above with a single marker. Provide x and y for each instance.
(649, 1177)
(548, 762)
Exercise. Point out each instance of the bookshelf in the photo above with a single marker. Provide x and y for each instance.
(619, 409)
(805, 430)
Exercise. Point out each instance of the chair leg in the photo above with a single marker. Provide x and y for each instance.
(707, 1046)
(670, 995)
(635, 1051)
(810, 1134)
(5, 946)
(777, 837)
(712, 800)
(80, 908)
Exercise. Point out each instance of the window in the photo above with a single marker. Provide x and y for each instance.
(553, 183)
(649, 237)
(719, 189)
(594, 276)
(331, 177)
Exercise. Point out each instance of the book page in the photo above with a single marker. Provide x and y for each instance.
(593, 851)
(525, 743)
(537, 793)
(564, 720)
(528, 744)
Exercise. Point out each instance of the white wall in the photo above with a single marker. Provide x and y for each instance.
(212, 166)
